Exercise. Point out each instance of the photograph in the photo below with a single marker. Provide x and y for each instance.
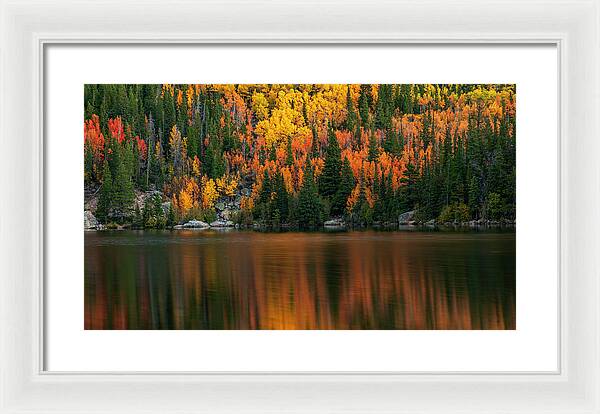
(299, 206)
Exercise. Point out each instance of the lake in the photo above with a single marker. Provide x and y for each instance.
(207, 279)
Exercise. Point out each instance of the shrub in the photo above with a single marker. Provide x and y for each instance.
(454, 212)
(495, 206)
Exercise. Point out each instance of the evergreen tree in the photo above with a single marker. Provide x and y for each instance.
(347, 183)
(363, 105)
(351, 121)
(309, 203)
(171, 220)
(329, 180)
(362, 213)
(138, 221)
(122, 191)
(169, 119)
(157, 211)
(373, 148)
(281, 199)
(106, 192)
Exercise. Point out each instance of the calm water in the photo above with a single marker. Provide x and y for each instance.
(348, 280)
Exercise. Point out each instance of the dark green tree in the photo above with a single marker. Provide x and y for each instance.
(106, 192)
(351, 119)
(309, 203)
(347, 183)
(122, 191)
(329, 181)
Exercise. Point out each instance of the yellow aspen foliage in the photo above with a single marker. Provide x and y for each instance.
(209, 192)
(179, 97)
(353, 198)
(247, 203)
(196, 166)
(185, 202)
(167, 87)
(260, 105)
(227, 185)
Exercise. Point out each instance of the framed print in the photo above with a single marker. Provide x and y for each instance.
(270, 209)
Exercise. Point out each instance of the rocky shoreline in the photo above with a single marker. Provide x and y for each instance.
(226, 209)
(405, 221)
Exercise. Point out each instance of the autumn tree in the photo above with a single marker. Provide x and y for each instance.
(423, 146)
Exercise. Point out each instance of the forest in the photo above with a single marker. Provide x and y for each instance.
(295, 156)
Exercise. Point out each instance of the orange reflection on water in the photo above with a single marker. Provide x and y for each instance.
(249, 280)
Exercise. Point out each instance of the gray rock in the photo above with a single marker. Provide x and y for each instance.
(222, 223)
(245, 192)
(89, 221)
(195, 224)
(406, 217)
(227, 214)
(334, 223)
(430, 222)
(220, 206)
(165, 207)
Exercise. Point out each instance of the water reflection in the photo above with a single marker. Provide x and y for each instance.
(249, 280)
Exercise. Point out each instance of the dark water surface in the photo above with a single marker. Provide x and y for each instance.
(347, 280)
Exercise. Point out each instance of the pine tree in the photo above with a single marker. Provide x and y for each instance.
(122, 190)
(390, 143)
(105, 199)
(373, 148)
(157, 211)
(379, 207)
(289, 156)
(347, 183)
(383, 112)
(171, 220)
(281, 198)
(329, 180)
(169, 119)
(266, 189)
(309, 204)
(138, 221)
(351, 121)
(363, 105)
(362, 212)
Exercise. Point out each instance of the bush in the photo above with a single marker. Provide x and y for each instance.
(454, 212)
(242, 217)
(461, 212)
(495, 206)
(447, 214)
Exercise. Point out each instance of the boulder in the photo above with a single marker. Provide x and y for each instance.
(406, 217)
(222, 223)
(227, 214)
(334, 223)
(245, 192)
(89, 221)
(195, 224)
(430, 222)
(220, 206)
